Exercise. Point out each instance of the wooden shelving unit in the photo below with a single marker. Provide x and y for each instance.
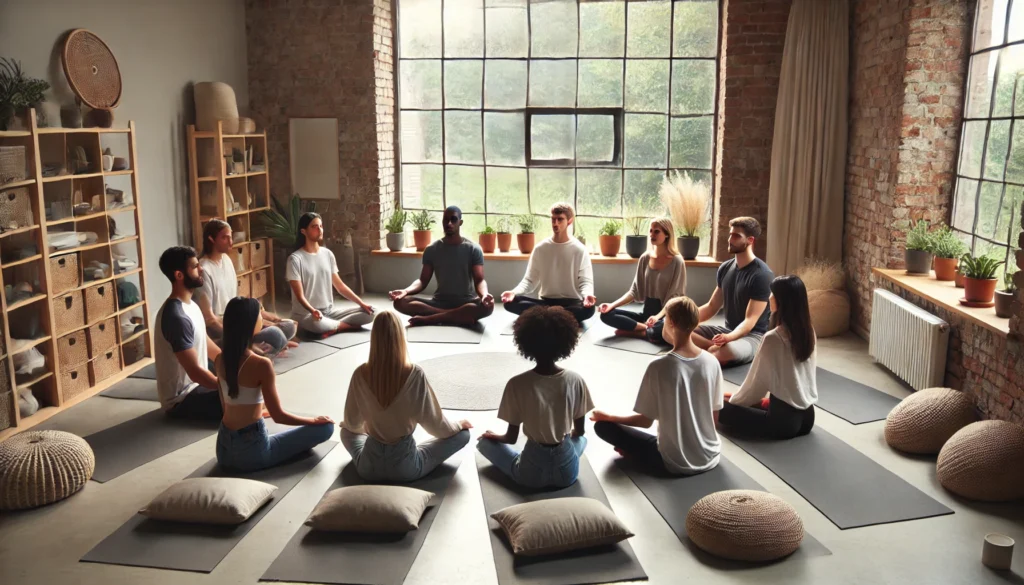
(237, 198)
(74, 288)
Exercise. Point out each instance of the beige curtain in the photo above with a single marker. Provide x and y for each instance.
(805, 196)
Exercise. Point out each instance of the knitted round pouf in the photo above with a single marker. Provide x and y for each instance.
(744, 525)
(984, 461)
(42, 467)
(925, 420)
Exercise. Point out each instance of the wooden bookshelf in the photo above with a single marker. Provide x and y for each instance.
(238, 195)
(109, 216)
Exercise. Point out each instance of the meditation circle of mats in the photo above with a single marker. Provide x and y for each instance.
(472, 381)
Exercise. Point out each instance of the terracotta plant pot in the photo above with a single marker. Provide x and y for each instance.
(1004, 304)
(504, 242)
(396, 242)
(979, 290)
(525, 242)
(689, 247)
(945, 268)
(610, 245)
(958, 280)
(918, 261)
(421, 238)
(487, 242)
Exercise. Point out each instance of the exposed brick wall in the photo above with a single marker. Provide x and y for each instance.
(753, 39)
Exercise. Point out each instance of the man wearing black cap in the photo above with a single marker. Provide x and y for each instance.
(461, 297)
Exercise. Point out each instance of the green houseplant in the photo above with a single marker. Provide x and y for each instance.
(421, 222)
(526, 237)
(1004, 296)
(979, 278)
(504, 229)
(636, 240)
(609, 238)
(689, 204)
(918, 249)
(488, 239)
(579, 232)
(282, 222)
(396, 229)
(17, 92)
(948, 248)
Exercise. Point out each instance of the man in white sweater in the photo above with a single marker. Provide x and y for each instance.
(559, 271)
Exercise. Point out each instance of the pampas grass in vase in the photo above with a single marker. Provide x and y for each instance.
(688, 202)
(827, 297)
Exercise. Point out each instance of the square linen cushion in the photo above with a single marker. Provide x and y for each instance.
(558, 525)
(370, 508)
(210, 500)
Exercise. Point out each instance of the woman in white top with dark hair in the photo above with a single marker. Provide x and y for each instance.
(246, 382)
(784, 369)
(387, 398)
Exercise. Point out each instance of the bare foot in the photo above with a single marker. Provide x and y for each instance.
(417, 320)
(343, 327)
(293, 344)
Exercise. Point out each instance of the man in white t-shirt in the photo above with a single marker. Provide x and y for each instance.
(559, 270)
(312, 272)
(683, 391)
(181, 348)
(220, 285)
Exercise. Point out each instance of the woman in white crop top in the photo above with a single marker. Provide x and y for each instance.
(387, 398)
(784, 369)
(246, 382)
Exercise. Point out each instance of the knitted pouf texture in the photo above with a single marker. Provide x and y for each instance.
(42, 467)
(984, 461)
(745, 525)
(925, 420)
(830, 312)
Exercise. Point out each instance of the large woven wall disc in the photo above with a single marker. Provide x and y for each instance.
(91, 70)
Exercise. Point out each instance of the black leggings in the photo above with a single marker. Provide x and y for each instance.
(778, 421)
(574, 306)
(633, 443)
(627, 320)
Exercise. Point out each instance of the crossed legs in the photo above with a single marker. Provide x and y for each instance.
(425, 311)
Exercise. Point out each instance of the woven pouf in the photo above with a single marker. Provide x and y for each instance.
(925, 420)
(830, 312)
(744, 525)
(42, 467)
(984, 461)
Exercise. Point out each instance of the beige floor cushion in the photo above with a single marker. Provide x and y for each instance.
(558, 525)
(830, 312)
(370, 508)
(984, 461)
(745, 525)
(925, 420)
(210, 500)
(42, 467)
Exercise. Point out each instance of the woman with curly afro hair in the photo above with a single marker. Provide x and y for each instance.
(549, 402)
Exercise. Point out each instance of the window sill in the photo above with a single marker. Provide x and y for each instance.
(700, 261)
(946, 295)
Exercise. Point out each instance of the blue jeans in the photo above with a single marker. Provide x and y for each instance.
(402, 461)
(538, 466)
(252, 448)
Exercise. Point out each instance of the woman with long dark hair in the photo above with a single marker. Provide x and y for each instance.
(246, 382)
(784, 368)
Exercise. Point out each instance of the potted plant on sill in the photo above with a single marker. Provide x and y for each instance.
(609, 238)
(525, 238)
(958, 280)
(1004, 297)
(918, 250)
(979, 280)
(636, 241)
(580, 234)
(396, 230)
(948, 248)
(504, 234)
(18, 93)
(488, 239)
(688, 202)
(421, 223)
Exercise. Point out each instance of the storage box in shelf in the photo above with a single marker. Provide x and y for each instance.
(240, 258)
(100, 301)
(74, 381)
(72, 350)
(16, 207)
(6, 410)
(64, 273)
(68, 312)
(134, 350)
(105, 365)
(244, 285)
(258, 253)
(260, 278)
(102, 336)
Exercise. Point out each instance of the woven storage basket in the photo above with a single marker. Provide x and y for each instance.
(100, 301)
(5, 380)
(215, 101)
(72, 351)
(102, 336)
(68, 312)
(259, 283)
(105, 365)
(258, 253)
(15, 207)
(42, 467)
(744, 525)
(12, 164)
(64, 272)
(6, 411)
(246, 125)
(134, 350)
(240, 258)
(74, 381)
(244, 285)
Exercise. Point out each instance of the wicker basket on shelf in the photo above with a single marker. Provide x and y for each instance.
(12, 164)
(72, 350)
(102, 336)
(68, 312)
(15, 208)
(74, 381)
(100, 301)
(64, 272)
(105, 365)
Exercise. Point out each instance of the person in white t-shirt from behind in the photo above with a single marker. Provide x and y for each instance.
(549, 402)
(683, 391)
(220, 285)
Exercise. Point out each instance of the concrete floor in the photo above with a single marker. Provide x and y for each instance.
(43, 546)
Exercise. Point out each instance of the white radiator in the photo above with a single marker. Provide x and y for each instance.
(908, 340)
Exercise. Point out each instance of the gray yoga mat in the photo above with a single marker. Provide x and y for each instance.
(445, 334)
(180, 546)
(631, 344)
(346, 339)
(673, 496)
(507, 329)
(606, 564)
(146, 373)
(848, 399)
(305, 353)
(472, 381)
(371, 559)
(122, 448)
(133, 389)
(844, 484)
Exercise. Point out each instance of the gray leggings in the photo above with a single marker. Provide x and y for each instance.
(333, 318)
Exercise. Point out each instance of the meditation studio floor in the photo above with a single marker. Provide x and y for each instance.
(44, 546)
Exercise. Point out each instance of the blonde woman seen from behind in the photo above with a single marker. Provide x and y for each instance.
(387, 398)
